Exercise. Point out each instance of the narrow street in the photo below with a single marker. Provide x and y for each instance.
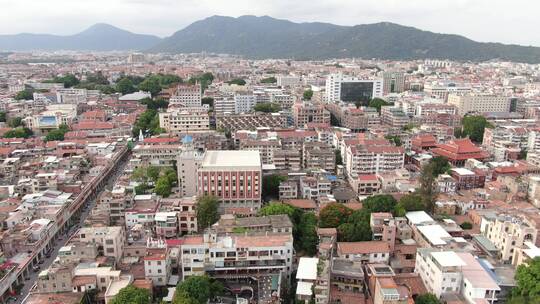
(30, 282)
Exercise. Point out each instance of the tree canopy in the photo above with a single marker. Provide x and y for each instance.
(270, 185)
(69, 80)
(271, 79)
(57, 134)
(380, 203)
(378, 103)
(356, 227)
(277, 208)
(237, 81)
(428, 186)
(25, 94)
(333, 215)
(527, 277)
(440, 165)
(207, 211)
(132, 295)
(204, 80)
(148, 122)
(197, 290)
(308, 94)
(125, 86)
(267, 107)
(411, 202)
(474, 126)
(427, 298)
(20, 132)
(15, 122)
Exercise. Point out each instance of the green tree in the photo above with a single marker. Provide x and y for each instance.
(141, 188)
(267, 107)
(69, 80)
(474, 126)
(412, 202)
(207, 211)
(97, 78)
(153, 173)
(204, 80)
(171, 175)
(150, 84)
(333, 215)
(396, 140)
(270, 185)
(25, 94)
(132, 295)
(154, 104)
(378, 103)
(163, 186)
(125, 86)
(440, 165)
(183, 298)
(307, 233)
(199, 288)
(269, 80)
(3, 117)
(428, 186)
(380, 203)
(308, 94)
(354, 232)
(148, 122)
(237, 81)
(277, 208)
(527, 277)
(427, 298)
(339, 159)
(20, 132)
(15, 122)
(208, 100)
(466, 225)
(57, 134)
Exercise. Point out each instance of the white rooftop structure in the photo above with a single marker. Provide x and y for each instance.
(532, 251)
(232, 158)
(304, 288)
(434, 234)
(463, 171)
(418, 217)
(135, 96)
(448, 259)
(307, 269)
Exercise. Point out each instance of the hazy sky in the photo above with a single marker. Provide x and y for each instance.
(514, 21)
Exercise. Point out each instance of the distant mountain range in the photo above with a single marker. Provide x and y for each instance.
(266, 37)
(99, 37)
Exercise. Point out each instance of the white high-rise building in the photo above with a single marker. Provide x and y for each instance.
(244, 102)
(186, 96)
(352, 89)
(449, 272)
(466, 103)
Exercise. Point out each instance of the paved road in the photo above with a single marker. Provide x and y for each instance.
(59, 243)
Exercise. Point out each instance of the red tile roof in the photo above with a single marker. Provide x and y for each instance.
(362, 247)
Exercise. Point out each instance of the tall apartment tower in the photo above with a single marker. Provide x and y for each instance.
(352, 89)
(186, 96)
(393, 82)
(187, 165)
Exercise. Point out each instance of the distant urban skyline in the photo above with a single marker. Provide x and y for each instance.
(480, 20)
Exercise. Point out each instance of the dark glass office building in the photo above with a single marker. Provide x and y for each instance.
(356, 91)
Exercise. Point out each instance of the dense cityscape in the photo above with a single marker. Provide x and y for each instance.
(198, 178)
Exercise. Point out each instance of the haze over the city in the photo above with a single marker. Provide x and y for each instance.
(480, 20)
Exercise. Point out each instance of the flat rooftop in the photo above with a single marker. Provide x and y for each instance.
(448, 259)
(234, 158)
